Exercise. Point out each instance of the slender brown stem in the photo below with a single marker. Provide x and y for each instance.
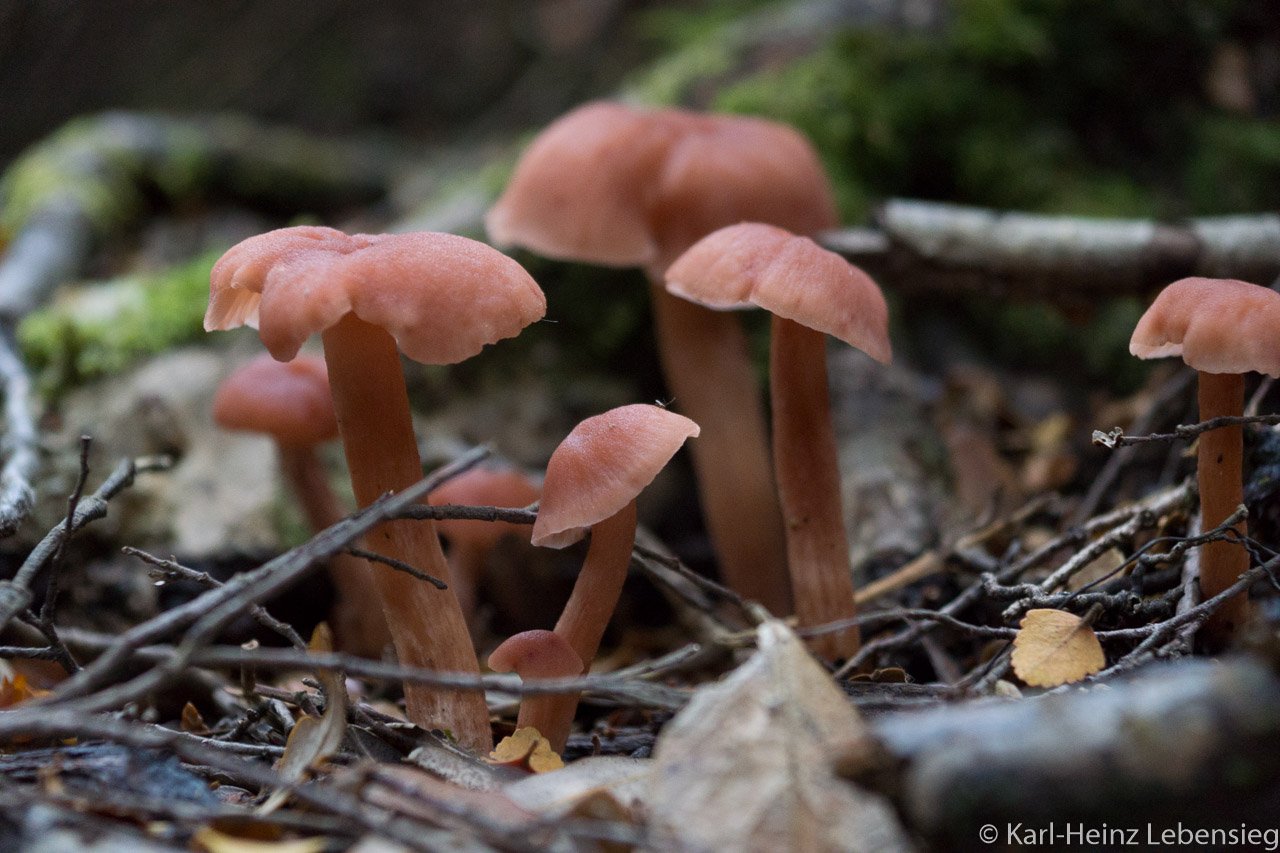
(595, 593)
(805, 457)
(586, 615)
(382, 454)
(466, 564)
(358, 624)
(1219, 467)
(708, 370)
(551, 715)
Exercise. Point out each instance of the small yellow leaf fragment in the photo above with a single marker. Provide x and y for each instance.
(192, 722)
(526, 750)
(208, 838)
(16, 690)
(1054, 647)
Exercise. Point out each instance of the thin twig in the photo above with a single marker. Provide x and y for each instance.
(398, 565)
(1117, 437)
(21, 438)
(174, 571)
(15, 594)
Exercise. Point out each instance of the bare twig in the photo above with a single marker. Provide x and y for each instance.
(209, 612)
(21, 438)
(15, 594)
(174, 571)
(1118, 438)
(398, 565)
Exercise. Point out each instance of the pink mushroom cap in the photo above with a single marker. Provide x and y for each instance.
(1215, 325)
(602, 465)
(613, 184)
(287, 400)
(536, 654)
(440, 296)
(793, 277)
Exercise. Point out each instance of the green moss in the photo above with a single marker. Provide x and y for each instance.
(1235, 165)
(1089, 108)
(56, 172)
(102, 328)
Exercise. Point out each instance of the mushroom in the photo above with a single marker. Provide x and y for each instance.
(811, 293)
(470, 541)
(592, 481)
(621, 186)
(290, 402)
(541, 654)
(440, 299)
(1223, 329)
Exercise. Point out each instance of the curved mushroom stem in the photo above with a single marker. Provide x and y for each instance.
(705, 359)
(807, 464)
(595, 593)
(1218, 467)
(358, 624)
(426, 623)
(585, 616)
(552, 715)
(466, 564)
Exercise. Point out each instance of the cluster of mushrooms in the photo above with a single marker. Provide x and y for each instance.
(719, 211)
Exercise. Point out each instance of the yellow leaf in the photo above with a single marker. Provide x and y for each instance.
(527, 750)
(313, 740)
(192, 722)
(213, 841)
(16, 690)
(1054, 647)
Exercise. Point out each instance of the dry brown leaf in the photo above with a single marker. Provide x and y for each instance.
(1106, 564)
(623, 780)
(414, 793)
(213, 841)
(16, 690)
(313, 739)
(526, 750)
(748, 764)
(1054, 647)
(192, 722)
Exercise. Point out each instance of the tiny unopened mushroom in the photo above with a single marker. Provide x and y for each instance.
(439, 299)
(592, 481)
(290, 402)
(541, 654)
(1224, 329)
(811, 293)
(618, 185)
(470, 541)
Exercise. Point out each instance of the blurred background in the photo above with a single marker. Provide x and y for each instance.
(170, 130)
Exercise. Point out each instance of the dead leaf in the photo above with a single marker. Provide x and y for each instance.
(1106, 564)
(553, 795)
(16, 690)
(411, 792)
(213, 841)
(1054, 647)
(526, 750)
(192, 722)
(748, 764)
(313, 739)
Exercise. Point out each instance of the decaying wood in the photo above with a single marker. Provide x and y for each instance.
(1196, 742)
(920, 245)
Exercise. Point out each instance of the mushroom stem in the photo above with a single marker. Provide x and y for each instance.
(358, 623)
(466, 565)
(584, 618)
(807, 465)
(1219, 465)
(708, 369)
(552, 715)
(595, 593)
(426, 624)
